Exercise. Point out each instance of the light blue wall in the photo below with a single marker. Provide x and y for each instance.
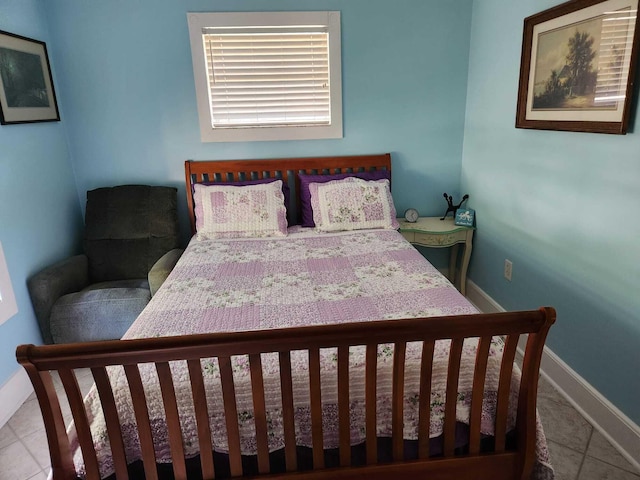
(130, 97)
(39, 209)
(562, 206)
(559, 205)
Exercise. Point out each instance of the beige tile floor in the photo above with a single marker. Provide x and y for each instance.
(578, 451)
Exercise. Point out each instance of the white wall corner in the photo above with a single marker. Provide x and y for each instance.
(13, 394)
(614, 425)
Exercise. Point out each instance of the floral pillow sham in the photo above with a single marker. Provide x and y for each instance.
(352, 204)
(240, 183)
(225, 211)
(306, 180)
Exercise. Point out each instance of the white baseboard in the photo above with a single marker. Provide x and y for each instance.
(614, 425)
(13, 394)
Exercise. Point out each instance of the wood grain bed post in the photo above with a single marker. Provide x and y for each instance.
(526, 417)
(62, 465)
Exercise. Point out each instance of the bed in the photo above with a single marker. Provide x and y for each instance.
(301, 352)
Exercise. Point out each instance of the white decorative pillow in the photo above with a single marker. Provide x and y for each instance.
(352, 204)
(240, 211)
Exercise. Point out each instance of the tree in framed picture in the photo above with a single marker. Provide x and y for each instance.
(26, 86)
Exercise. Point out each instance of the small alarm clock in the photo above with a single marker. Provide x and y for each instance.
(411, 215)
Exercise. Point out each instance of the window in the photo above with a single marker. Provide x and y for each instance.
(8, 306)
(267, 75)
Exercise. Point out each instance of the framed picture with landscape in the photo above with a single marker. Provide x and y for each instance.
(26, 86)
(577, 67)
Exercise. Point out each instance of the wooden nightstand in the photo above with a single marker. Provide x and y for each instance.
(435, 233)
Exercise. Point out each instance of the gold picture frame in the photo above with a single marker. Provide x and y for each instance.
(578, 67)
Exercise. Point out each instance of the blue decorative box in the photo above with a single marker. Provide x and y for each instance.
(465, 217)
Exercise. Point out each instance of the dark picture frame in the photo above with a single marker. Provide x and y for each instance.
(578, 67)
(27, 94)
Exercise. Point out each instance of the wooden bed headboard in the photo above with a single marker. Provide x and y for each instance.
(285, 169)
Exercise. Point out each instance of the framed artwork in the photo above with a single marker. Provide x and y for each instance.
(577, 67)
(26, 86)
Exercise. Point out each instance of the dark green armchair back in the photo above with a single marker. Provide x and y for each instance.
(127, 229)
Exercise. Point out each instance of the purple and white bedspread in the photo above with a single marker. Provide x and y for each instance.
(306, 278)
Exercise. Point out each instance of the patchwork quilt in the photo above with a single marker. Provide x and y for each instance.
(306, 278)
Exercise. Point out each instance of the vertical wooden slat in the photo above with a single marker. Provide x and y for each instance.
(173, 420)
(315, 392)
(343, 406)
(202, 419)
(453, 373)
(288, 421)
(141, 413)
(504, 387)
(259, 412)
(424, 419)
(76, 404)
(107, 401)
(479, 373)
(231, 415)
(397, 401)
(371, 399)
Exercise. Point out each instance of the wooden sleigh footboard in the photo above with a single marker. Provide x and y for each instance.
(501, 462)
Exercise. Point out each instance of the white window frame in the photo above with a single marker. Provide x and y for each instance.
(199, 21)
(8, 305)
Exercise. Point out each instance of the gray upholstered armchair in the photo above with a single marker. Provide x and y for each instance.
(130, 240)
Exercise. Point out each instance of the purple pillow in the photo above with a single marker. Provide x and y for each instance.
(286, 191)
(305, 194)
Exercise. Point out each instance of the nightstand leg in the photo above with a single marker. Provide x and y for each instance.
(464, 266)
(453, 263)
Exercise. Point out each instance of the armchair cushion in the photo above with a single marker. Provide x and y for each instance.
(98, 313)
(48, 285)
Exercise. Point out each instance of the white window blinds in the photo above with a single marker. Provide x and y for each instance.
(616, 42)
(268, 76)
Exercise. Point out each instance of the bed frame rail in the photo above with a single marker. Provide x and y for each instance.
(41, 361)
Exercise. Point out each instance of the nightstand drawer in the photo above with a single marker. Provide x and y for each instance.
(438, 240)
(409, 236)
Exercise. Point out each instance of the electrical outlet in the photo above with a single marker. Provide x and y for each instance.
(508, 267)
